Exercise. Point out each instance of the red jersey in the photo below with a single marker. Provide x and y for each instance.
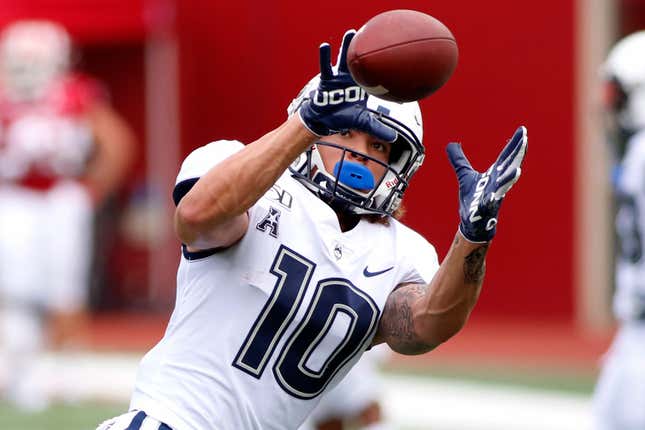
(43, 141)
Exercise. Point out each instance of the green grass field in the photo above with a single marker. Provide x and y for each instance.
(406, 385)
(84, 416)
(565, 380)
(87, 416)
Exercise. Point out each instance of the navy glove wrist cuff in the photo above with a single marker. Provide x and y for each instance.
(477, 235)
(311, 125)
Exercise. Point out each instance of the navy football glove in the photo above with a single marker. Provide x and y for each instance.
(339, 104)
(481, 194)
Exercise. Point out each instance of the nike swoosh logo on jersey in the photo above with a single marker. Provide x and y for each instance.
(369, 274)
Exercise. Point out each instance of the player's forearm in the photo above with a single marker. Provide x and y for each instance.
(229, 189)
(418, 317)
(452, 293)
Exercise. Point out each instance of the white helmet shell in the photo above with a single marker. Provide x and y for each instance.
(626, 64)
(408, 114)
(386, 196)
(33, 54)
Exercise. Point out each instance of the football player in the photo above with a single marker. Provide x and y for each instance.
(620, 392)
(62, 150)
(356, 401)
(293, 264)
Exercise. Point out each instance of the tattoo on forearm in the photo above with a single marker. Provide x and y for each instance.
(475, 265)
(456, 240)
(397, 322)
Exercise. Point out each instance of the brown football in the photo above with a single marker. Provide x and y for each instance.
(402, 55)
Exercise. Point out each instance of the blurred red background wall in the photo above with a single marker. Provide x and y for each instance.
(241, 62)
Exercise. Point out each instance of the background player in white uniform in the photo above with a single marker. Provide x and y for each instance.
(356, 401)
(62, 150)
(292, 264)
(620, 391)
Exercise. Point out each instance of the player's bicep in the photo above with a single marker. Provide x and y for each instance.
(221, 236)
(397, 326)
(199, 235)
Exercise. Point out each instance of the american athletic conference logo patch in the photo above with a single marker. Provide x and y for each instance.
(270, 222)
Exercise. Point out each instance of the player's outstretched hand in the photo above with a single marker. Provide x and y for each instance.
(339, 103)
(481, 194)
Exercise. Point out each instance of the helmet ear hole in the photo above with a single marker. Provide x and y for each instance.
(398, 147)
(615, 97)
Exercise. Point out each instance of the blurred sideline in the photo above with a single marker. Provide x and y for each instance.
(530, 344)
(441, 404)
(409, 402)
(106, 369)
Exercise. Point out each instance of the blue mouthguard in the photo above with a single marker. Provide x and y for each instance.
(354, 175)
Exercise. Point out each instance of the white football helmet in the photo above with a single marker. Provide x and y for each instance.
(32, 55)
(624, 71)
(383, 195)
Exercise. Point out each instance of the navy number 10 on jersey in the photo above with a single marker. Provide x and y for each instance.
(331, 298)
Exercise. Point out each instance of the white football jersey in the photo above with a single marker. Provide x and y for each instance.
(262, 328)
(629, 300)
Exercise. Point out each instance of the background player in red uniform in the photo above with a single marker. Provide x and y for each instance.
(63, 150)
